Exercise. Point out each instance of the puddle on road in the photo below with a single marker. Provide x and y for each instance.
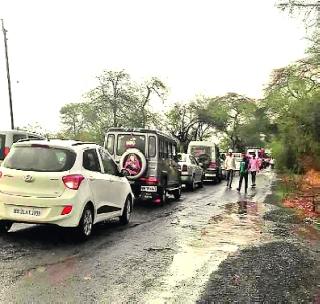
(204, 244)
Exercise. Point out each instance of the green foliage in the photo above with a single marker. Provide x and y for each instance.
(117, 101)
(293, 102)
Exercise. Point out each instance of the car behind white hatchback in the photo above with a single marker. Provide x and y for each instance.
(66, 183)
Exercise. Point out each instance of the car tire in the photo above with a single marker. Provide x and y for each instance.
(177, 193)
(5, 226)
(163, 196)
(84, 230)
(201, 183)
(126, 213)
(192, 186)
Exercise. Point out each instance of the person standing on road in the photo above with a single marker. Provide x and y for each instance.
(244, 171)
(230, 166)
(254, 165)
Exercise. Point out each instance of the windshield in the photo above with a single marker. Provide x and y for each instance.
(42, 159)
(182, 157)
(197, 151)
(2, 145)
(127, 141)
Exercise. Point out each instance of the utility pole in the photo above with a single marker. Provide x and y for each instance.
(8, 72)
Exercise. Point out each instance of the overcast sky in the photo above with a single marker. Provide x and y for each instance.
(58, 47)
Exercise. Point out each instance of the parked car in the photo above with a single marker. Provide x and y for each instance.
(150, 157)
(8, 138)
(207, 154)
(66, 183)
(191, 172)
(238, 158)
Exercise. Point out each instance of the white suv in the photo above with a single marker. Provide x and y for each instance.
(66, 183)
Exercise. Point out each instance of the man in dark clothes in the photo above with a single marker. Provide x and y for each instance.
(244, 171)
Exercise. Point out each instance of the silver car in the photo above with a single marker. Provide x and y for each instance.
(191, 172)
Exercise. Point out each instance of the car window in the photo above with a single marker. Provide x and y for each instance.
(152, 150)
(127, 141)
(17, 137)
(110, 144)
(2, 145)
(91, 160)
(34, 137)
(40, 158)
(174, 150)
(109, 165)
(165, 152)
(182, 157)
(193, 161)
(170, 150)
(161, 148)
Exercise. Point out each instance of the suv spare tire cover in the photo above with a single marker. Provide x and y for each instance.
(134, 162)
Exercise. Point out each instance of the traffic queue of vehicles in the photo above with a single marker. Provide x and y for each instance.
(77, 184)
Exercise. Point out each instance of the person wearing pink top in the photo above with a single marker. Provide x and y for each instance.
(254, 166)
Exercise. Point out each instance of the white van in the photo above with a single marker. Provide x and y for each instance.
(207, 153)
(8, 138)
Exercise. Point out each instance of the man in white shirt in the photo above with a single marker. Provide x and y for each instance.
(230, 166)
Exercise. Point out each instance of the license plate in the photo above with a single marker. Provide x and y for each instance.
(29, 211)
(210, 175)
(149, 188)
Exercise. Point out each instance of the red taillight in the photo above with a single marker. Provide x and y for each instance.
(66, 210)
(6, 151)
(73, 181)
(213, 165)
(151, 180)
(184, 168)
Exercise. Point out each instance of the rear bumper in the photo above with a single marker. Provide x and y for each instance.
(40, 210)
(210, 175)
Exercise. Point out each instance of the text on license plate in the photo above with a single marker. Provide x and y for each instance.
(27, 211)
(149, 188)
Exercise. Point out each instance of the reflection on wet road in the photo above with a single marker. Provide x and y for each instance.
(166, 254)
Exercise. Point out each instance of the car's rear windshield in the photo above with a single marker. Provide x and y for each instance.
(40, 158)
(2, 145)
(127, 141)
(197, 151)
(182, 157)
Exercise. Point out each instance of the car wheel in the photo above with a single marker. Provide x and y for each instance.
(84, 229)
(201, 183)
(163, 198)
(177, 194)
(5, 226)
(192, 185)
(126, 214)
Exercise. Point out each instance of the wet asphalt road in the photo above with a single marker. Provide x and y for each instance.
(165, 255)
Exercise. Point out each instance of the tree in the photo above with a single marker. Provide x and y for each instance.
(229, 114)
(72, 118)
(183, 122)
(293, 101)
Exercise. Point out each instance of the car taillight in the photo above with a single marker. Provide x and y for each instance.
(66, 210)
(73, 181)
(151, 180)
(6, 151)
(184, 168)
(213, 165)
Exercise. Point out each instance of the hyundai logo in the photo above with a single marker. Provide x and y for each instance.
(28, 178)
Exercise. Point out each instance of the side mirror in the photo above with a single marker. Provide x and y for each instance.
(125, 172)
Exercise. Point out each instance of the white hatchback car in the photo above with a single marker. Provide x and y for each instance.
(66, 183)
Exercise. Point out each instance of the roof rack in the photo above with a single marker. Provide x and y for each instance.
(142, 130)
(83, 143)
(28, 139)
